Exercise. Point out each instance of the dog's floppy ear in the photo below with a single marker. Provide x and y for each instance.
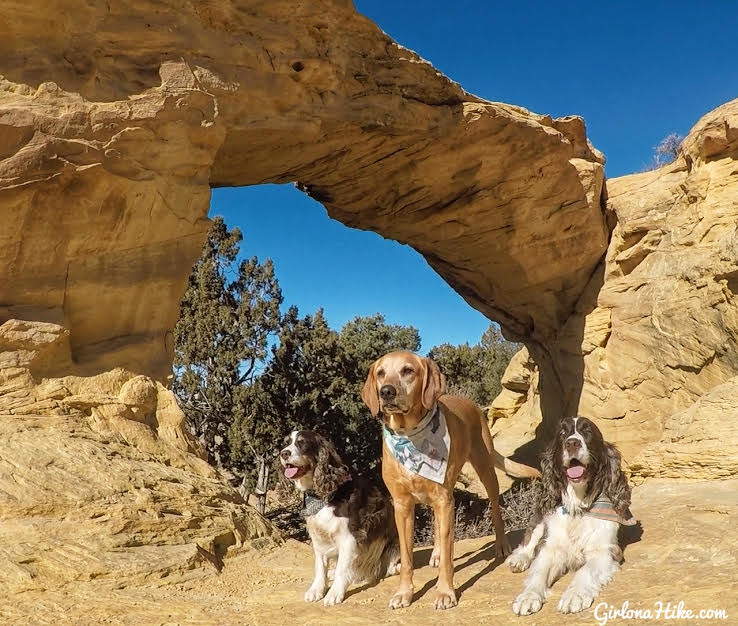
(369, 392)
(614, 483)
(330, 470)
(434, 383)
(552, 477)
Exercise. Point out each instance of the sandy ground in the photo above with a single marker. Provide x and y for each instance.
(686, 550)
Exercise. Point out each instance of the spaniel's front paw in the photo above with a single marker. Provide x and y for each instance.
(574, 600)
(519, 561)
(528, 602)
(334, 596)
(314, 594)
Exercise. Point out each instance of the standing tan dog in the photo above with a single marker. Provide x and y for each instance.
(405, 388)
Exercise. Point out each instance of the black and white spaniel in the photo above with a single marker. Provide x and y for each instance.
(348, 519)
(586, 498)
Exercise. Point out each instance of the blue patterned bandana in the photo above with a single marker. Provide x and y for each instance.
(424, 449)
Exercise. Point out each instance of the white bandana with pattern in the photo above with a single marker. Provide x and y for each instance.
(424, 449)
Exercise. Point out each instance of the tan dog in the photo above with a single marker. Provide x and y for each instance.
(404, 387)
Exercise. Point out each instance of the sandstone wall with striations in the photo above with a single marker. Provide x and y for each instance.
(652, 349)
(99, 478)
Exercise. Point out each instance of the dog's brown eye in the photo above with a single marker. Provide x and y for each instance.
(406, 371)
(380, 373)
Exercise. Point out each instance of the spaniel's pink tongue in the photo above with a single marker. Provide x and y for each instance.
(291, 471)
(575, 471)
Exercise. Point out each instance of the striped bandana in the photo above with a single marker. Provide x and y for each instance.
(602, 508)
(424, 449)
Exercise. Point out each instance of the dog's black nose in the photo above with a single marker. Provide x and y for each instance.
(573, 445)
(285, 454)
(388, 392)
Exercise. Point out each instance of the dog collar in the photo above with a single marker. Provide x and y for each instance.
(421, 425)
(602, 508)
(311, 504)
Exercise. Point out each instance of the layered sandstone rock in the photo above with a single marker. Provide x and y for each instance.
(685, 550)
(99, 477)
(657, 327)
(113, 126)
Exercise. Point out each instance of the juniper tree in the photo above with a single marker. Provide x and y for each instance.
(365, 339)
(303, 386)
(227, 316)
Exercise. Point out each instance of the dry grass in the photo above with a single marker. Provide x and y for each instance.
(473, 517)
(519, 504)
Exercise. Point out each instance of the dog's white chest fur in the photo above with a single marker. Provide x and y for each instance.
(326, 531)
(576, 534)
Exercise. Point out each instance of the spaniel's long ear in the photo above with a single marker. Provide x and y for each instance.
(434, 383)
(330, 471)
(551, 477)
(615, 484)
(369, 392)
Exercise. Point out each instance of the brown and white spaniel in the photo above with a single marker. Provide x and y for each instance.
(348, 519)
(586, 498)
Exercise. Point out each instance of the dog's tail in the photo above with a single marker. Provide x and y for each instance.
(518, 470)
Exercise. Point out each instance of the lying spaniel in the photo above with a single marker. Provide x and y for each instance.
(348, 519)
(586, 497)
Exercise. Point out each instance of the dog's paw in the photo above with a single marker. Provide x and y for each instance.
(314, 594)
(334, 596)
(574, 600)
(502, 548)
(519, 561)
(401, 599)
(527, 603)
(435, 557)
(445, 599)
(393, 568)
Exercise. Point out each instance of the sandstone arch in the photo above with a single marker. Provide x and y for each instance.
(111, 150)
(116, 119)
(114, 126)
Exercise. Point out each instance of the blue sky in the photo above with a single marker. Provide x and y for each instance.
(635, 71)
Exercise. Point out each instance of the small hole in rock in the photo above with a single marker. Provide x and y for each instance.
(298, 66)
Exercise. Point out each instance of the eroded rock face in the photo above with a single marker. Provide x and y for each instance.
(652, 349)
(99, 477)
(114, 125)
